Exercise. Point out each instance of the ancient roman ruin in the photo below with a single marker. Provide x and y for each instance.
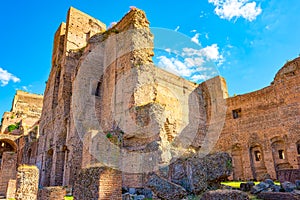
(110, 119)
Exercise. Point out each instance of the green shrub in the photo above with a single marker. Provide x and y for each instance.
(13, 127)
(109, 135)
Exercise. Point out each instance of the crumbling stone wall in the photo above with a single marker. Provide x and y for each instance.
(59, 153)
(60, 147)
(19, 146)
(98, 183)
(262, 127)
(52, 193)
(27, 148)
(27, 182)
(26, 111)
(129, 82)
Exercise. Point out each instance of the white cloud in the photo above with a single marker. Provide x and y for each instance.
(228, 9)
(193, 31)
(175, 66)
(193, 64)
(199, 77)
(5, 77)
(209, 52)
(196, 38)
(197, 62)
(177, 28)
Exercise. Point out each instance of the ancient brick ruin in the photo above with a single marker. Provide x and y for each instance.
(262, 128)
(18, 138)
(106, 77)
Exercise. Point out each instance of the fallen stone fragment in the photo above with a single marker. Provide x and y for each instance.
(225, 195)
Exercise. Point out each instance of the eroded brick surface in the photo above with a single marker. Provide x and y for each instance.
(52, 193)
(27, 182)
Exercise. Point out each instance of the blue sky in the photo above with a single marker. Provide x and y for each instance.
(248, 40)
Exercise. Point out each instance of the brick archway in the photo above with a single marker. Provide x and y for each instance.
(258, 167)
(8, 145)
(8, 162)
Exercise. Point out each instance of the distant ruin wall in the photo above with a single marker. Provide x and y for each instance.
(26, 111)
(262, 127)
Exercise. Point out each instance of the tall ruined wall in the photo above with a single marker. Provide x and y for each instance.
(19, 146)
(108, 77)
(143, 107)
(262, 127)
(55, 119)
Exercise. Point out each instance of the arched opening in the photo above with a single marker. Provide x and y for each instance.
(7, 145)
(259, 169)
(279, 154)
(8, 162)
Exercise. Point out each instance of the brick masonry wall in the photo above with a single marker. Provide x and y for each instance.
(8, 170)
(268, 119)
(268, 122)
(98, 183)
(59, 153)
(290, 175)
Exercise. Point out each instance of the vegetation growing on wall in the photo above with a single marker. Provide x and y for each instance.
(13, 127)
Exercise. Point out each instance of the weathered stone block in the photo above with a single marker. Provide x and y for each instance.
(165, 189)
(225, 195)
(278, 195)
(11, 189)
(27, 182)
(52, 193)
(98, 183)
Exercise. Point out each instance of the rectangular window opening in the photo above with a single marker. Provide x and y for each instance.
(236, 113)
(281, 154)
(257, 155)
